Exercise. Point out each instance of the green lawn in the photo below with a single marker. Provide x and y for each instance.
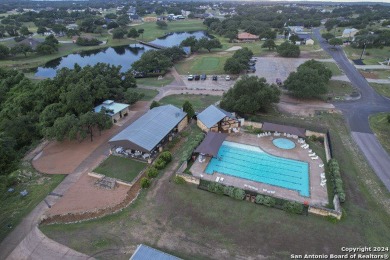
(339, 89)
(383, 89)
(121, 168)
(376, 74)
(199, 102)
(167, 213)
(203, 63)
(155, 82)
(152, 31)
(14, 207)
(333, 67)
(372, 56)
(149, 94)
(381, 127)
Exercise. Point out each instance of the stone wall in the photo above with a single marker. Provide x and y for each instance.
(202, 126)
(253, 124)
(183, 123)
(310, 133)
(337, 213)
(182, 167)
(189, 178)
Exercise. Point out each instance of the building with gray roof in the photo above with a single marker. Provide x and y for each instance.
(115, 110)
(216, 119)
(144, 252)
(151, 130)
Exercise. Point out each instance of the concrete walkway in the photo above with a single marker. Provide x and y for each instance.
(372, 67)
(380, 81)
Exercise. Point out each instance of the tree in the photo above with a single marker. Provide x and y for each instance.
(269, 43)
(8, 154)
(141, 31)
(4, 51)
(388, 118)
(287, 49)
(233, 66)
(336, 41)
(21, 48)
(209, 44)
(99, 30)
(45, 49)
(294, 38)
(161, 24)
(187, 107)
(131, 96)
(41, 30)
(327, 36)
(66, 127)
(24, 31)
(152, 61)
(123, 20)
(111, 16)
(112, 25)
(174, 53)
(190, 42)
(154, 104)
(133, 33)
(118, 33)
(250, 95)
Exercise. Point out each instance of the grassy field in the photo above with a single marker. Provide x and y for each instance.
(203, 63)
(372, 56)
(14, 207)
(199, 102)
(152, 31)
(149, 94)
(334, 68)
(339, 89)
(381, 127)
(155, 82)
(192, 224)
(120, 168)
(383, 89)
(376, 74)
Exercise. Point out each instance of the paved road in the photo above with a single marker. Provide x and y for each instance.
(357, 113)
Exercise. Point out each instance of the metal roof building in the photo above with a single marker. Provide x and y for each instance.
(148, 253)
(112, 107)
(212, 115)
(211, 144)
(149, 130)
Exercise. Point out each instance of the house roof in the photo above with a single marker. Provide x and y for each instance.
(148, 130)
(148, 253)
(349, 30)
(112, 106)
(284, 129)
(304, 36)
(212, 115)
(211, 144)
(33, 43)
(247, 36)
(187, 50)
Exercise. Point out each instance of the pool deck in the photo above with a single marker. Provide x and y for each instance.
(318, 194)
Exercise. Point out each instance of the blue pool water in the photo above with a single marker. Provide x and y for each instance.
(252, 163)
(283, 143)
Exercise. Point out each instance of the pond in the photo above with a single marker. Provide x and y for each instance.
(120, 55)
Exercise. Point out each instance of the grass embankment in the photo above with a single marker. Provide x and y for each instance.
(339, 89)
(120, 168)
(371, 57)
(381, 127)
(375, 74)
(149, 94)
(155, 82)
(162, 216)
(199, 102)
(209, 63)
(383, 89)
(152, 31)
(14, 207)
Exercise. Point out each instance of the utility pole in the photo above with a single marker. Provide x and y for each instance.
(364, 49)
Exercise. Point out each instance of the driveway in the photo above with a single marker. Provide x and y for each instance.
(357, 113)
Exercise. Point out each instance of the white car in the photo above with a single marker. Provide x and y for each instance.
(190, 77)
(227, 78)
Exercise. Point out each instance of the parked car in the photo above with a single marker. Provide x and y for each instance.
(196, 77)
(190, 77)
(203, 77)
(253, 59)
(251, 63)
(215, 77)
(251, 69)
(279, 81)
(227, 78)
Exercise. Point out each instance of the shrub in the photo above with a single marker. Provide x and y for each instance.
(313, 138)
(166, 156)
(332, 219)
(239, 194)
(293, 207)
(259, 199)
(216, 188)
(160, 164)
(145, 183)
(229, 190)
(334, 171)
(179, 180)
(269, 201)
(152, 172)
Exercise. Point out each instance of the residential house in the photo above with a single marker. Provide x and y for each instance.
(349, 32)
(215, 119)
(115, 110)
(247, 37)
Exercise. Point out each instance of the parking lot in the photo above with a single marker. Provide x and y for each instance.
(208, 84)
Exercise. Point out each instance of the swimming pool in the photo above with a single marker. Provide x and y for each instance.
(252, 163)
(283, 143)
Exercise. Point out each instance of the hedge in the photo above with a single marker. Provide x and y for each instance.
(166, 156)
(192, 144)
(152, 172)
(160, 164)
(145, 183)
(334, 172)
(179, 180)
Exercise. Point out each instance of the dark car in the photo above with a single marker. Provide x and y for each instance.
(215, 78)
(203, 77)
(251, 69)
(251, 63)
(196, 77)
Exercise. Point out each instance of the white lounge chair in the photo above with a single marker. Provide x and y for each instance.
(314, 158)
(201, 175)
(322, 184)
(309, 151)
(303, 145)
(306, 146)
(321, 165)
(323, 175)
(312, 154)
(265, 190)
(217, 179)
(221, 180)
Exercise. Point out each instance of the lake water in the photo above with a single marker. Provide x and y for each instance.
(121, 55)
